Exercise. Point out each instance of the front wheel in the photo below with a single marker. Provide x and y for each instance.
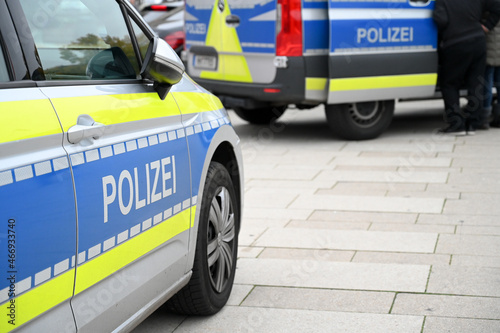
(216, 248)
(360, 121)
(260, 116)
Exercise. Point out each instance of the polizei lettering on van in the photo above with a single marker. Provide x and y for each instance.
(139, 187)
(385, 35)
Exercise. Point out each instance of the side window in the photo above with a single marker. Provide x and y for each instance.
(81, 39)
(4, 74)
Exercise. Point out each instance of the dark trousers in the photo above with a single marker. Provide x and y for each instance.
(463, 66)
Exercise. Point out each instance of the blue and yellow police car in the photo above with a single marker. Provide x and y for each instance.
(120, 178)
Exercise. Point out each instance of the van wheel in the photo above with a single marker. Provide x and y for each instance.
(360, 121)
(261, 116)
(216, 248)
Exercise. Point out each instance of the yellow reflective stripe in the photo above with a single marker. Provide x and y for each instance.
(114, 109)
(111, 261)
(27, 119)
(316, 83)
(38, 300)
(193, 102)
(382, 82)
(232, 67)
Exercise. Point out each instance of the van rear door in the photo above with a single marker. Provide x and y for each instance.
(381, 50)
(231, 40)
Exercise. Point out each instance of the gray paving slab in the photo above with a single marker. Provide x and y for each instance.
(271, 198)
(419, 148)
(332, 275)
(438, 229)
(249, 319)
(468, 244)
(479, 230)
(458, 325)
(465, 280)
(447, 306)
(407, 160)
(277, 214)
(239, 293)
(306, 254)
(388, 176)
(341, 216)
(291, 184)
(252, 229)
(368, 204)
(459, 220)
(320, 299)
(329, 225)
(348, 240)
(477, 204)
(382, 188)
(283, 174)
(402, 258)
(484, 261)
(249, 251)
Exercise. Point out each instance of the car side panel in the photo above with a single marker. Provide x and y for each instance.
(37, 210)
(133, 196)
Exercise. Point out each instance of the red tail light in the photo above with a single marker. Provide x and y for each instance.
(176, 39)
(160, 8)
(289, 28)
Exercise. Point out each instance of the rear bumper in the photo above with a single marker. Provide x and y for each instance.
(288, 87)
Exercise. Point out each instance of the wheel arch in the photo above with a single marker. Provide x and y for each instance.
(224, 149)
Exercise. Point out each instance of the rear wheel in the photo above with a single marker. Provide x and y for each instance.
(260, 116)
(216, 248)
(360, 121)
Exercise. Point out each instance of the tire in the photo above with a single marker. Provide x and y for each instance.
(261, 116)
(216, 248)
(360, 121)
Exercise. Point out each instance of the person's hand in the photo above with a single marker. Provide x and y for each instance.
(486, 30)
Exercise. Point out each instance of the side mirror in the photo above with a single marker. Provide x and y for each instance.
(163, 66)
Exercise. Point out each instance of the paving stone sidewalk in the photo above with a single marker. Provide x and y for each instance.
(397, 234)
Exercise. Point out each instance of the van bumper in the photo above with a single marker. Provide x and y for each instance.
(288, 87)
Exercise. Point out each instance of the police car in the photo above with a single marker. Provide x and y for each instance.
(120, 178)
(354, 56)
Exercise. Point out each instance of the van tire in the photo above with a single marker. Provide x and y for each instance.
(214, 264)
(360, 121)
(261, 116)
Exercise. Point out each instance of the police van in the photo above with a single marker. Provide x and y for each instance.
(120, 178)
(354, 56)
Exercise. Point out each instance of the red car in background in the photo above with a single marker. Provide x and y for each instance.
(167, 20)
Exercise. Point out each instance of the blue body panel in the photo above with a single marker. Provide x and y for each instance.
(45, 224)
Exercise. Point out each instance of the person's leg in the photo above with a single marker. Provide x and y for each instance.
(451, 78)
(488, 85)
(474, 80)
(495, 111)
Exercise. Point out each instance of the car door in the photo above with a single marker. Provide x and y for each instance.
(37, 203)
(382, 50)
(128, 155)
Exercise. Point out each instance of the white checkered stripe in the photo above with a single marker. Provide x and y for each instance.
(8, 177)
(39, 169)
(98, 249)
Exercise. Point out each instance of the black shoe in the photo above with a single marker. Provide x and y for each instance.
(471, 130)
(452, 131)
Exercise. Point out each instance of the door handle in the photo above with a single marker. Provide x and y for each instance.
(85, 129)
(233, 21)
